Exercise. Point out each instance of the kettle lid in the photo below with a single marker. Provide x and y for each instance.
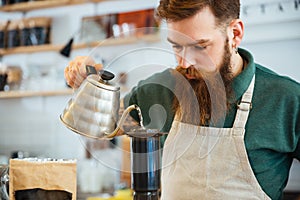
(102, 80)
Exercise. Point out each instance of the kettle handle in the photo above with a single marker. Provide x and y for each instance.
(90, 70)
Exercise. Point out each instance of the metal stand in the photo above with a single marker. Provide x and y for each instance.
(146, 195)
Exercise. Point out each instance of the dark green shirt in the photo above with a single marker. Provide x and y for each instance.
(272, 130)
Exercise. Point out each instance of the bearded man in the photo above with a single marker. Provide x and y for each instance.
(234, 125)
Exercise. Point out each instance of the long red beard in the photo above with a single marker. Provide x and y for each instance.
(203, 100)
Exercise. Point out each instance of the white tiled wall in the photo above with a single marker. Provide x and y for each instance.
(32, 125)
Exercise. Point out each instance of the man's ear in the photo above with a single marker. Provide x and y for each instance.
(237, 32)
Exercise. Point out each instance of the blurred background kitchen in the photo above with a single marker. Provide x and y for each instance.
(34, 93)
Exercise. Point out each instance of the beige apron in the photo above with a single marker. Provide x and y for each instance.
(209, 163)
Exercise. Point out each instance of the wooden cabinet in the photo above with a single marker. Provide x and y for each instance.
(49, 4)
(59, 9)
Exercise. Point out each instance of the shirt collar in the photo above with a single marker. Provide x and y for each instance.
(242, 81)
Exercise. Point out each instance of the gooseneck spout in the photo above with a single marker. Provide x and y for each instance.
(119, 131)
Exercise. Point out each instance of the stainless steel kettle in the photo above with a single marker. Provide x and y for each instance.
(94, 109)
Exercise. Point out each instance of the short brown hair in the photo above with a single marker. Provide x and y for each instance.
(176, 10)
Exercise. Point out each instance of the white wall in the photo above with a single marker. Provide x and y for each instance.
(280, 56)
(273, 35)
(32, 125)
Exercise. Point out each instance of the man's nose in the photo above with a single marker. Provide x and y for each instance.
(186, 59)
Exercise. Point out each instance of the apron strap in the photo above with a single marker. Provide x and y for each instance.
(244, 107)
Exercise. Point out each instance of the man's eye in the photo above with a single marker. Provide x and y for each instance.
(177, 47)
(198, 47)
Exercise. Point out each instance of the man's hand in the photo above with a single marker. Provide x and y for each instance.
(75, 72)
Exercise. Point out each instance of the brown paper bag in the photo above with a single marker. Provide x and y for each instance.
(42, 179)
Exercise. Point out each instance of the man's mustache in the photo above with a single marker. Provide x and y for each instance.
(192, 71)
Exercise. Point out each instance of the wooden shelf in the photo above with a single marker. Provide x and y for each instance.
(109, 42)
(30, 49)
(34, 5)
(21, 94)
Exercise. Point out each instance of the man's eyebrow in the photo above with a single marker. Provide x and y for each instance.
(201, 41)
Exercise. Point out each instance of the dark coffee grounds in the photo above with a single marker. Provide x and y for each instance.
(40, 194)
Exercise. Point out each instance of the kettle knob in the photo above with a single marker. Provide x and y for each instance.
(106, 75)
